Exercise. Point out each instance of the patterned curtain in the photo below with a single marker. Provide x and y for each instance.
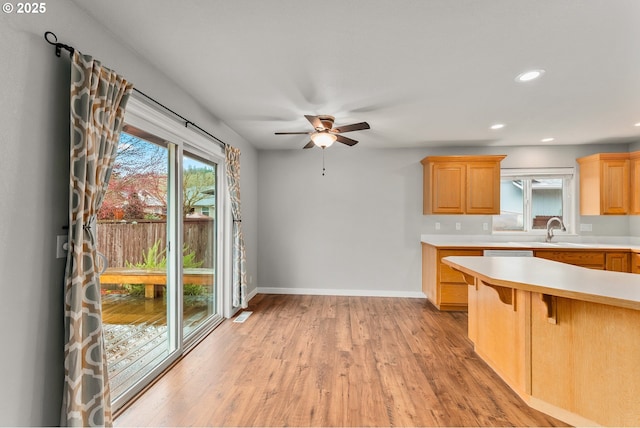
(98, 99)
(239, 257)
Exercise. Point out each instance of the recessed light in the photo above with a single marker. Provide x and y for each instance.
(547, 140)
(497, 126)
(637, 124)
(527, 76)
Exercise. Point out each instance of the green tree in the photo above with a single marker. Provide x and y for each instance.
(197, 184)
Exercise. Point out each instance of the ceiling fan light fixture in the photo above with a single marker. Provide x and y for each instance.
(530, 75)
(323, 139)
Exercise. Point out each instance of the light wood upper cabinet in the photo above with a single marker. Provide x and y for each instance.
(447, 184)
(461, 184)
(604, 184)
(634, 189)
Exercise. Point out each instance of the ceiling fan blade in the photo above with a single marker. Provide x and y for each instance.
(309, 145)
(292, 133)
(352, 127)
(346, 140)
(315, 121)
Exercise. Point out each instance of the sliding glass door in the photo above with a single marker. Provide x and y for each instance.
(199, 237)
(158, 236)
(132, 240)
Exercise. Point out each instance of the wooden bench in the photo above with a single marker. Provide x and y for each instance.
(152, 278)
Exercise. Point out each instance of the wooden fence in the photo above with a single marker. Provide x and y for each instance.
(124, 242)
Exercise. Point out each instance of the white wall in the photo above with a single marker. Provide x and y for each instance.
(357, 230)
(353, 229)
(34, 197)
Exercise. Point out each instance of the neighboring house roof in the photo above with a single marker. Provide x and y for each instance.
(203, 201)
(208, 190)
(206, 202)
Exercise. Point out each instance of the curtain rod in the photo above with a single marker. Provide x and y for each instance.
(187, 122)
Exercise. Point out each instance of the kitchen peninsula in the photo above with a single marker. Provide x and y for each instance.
(565, 338)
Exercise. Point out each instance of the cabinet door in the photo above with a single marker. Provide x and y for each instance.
(634, 189)
(615, 186)
(635, 262)
(618, 262)
(447, 188)
(483, 188)
(604, 184)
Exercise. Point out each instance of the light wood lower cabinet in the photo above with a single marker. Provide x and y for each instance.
(619, 262)
(445, 288)
(604, 260)
(635, 262)
(588, 259)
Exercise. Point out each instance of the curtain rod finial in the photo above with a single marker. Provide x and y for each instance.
(59, 46)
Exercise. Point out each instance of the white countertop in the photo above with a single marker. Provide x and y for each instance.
(553, 278)
(516, 242)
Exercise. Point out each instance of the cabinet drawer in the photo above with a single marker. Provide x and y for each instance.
(447, 273)
(590, 259)
(453, 293)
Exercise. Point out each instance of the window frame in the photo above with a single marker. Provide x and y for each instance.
(568, 199)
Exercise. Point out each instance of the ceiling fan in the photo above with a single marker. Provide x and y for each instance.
(324, 134)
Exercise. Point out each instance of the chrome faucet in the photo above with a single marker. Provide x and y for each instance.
(550, 229)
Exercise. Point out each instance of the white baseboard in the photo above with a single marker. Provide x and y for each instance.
(340, 292)
(252, 294)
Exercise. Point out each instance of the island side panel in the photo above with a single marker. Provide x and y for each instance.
(472, 310)
(587, 363)
(501, 333)
(429, 272)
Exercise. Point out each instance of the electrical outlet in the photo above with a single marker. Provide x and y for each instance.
(458, 226)
(437, 225)
(485, 226)
(586, 227)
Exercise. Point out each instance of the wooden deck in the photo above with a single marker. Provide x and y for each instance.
(135, 330)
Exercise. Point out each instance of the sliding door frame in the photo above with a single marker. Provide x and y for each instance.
(145, 116)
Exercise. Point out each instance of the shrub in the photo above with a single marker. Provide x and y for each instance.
(155, 258)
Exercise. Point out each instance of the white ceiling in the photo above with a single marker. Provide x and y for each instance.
(421, 72)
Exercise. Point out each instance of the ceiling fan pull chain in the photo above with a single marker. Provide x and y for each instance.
(323, 162)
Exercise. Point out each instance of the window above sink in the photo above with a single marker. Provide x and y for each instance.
(530, 197)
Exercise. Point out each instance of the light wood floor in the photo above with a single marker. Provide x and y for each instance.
(334, 361)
